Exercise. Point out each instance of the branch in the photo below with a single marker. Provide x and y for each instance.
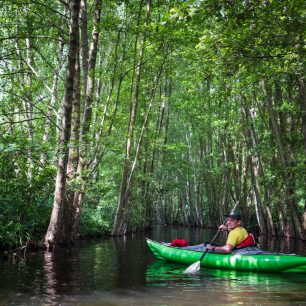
(48, 63)
(35, 106)
(32, 37)
(25, 120)
(50, 90)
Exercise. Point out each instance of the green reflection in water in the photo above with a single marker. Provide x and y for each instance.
(163, 274)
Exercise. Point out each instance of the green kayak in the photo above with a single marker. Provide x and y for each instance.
(262, 262)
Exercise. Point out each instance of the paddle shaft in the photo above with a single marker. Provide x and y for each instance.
(217, 233)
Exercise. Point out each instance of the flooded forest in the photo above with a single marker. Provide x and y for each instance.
(116, 116)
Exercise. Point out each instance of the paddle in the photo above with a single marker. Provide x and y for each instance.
(196, 266)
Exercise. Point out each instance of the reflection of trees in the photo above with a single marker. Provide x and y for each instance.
(286, 245)
(51, 280)
(131, 261)
(192, 235)
(84, 268)
(99, 265)
(62, 272)
(127, 263)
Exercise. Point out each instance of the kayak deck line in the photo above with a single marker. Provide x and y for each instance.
(278, 263)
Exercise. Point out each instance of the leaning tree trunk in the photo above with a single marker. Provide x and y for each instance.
(120, 226)
(147, 195)
(55, 234)
(253, 160)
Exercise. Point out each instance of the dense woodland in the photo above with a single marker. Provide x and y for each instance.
(118, 115)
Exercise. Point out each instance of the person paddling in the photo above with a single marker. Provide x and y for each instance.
(237, 237)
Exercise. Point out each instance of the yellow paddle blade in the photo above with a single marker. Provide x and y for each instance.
(195, 267)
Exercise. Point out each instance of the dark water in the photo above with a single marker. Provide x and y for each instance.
(123, 271)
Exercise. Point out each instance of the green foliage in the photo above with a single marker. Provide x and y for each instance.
(204, 61)
(25, 208)
(93, 222)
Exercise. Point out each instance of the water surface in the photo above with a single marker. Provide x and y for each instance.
(122, 271)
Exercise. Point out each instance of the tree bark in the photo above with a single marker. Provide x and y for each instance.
(84, 41)
(55, 234)
(87, 115)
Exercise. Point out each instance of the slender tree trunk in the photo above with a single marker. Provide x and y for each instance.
(288, 176)
(261, 173)
(87, 115)
(51, 108)
(253, 160)
(138, 147)
(84, 42)
(270, 222)
(120, 222)
(26, 82)
(55, 233)
(147, 197)
(29, 104)
(100, 132)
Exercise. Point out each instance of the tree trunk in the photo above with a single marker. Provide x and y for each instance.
(55, 233)
(51, 108)
(26, 82)
(253, 160)
(73, 156)
(84, 42)
(155, 156)
(87, 115)
(270, 222)
(120, 222)
(288, 175)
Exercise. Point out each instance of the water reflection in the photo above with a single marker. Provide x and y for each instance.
(169, 275)
(227, 287)
(286, 245)
(123, 271)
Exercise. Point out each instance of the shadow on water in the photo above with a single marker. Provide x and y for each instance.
(123, 271)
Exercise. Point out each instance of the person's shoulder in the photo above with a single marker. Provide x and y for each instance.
(236, 231)
(239, 229)
(244, 232)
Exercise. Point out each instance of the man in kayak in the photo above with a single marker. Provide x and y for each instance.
(237, 237)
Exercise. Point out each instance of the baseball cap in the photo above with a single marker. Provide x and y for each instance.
(234, 215)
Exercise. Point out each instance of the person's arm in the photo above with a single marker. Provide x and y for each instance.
(225, 249)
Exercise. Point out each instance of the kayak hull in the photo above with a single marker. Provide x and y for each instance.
(262, 262)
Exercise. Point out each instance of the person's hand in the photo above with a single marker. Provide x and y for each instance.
(210, 247)
(223, 228)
